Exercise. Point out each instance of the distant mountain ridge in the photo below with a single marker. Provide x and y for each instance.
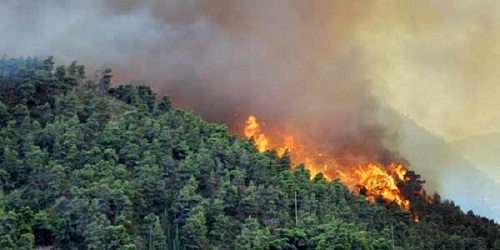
(443, 167)
(484, 151)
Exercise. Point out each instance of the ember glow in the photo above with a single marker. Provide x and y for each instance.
(372, 180)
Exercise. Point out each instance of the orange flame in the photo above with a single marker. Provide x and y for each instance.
(371, 180)
(252, 130)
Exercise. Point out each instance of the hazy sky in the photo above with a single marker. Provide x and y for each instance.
(435, 61)
(438, 61)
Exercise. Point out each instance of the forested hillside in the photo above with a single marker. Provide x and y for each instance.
(86, 165)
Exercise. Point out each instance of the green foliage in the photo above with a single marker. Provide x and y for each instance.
(195, 230)
(339, 235)
(7, 243)
(289, 239)
(26, 242)
(154, 233)
(85, 165)
(101, 235)
(252, 236)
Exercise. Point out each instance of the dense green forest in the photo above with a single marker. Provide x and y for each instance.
(87, 165)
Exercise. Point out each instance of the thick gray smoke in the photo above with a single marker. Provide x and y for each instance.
(295, 64)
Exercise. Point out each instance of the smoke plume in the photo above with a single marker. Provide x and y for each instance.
(296, 65)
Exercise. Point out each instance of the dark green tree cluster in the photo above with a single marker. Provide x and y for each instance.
(89, 166)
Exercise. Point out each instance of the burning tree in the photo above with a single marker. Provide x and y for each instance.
(390, 183)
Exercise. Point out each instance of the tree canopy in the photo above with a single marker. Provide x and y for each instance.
(88, 165)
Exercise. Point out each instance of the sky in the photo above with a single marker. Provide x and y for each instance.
(437, 61)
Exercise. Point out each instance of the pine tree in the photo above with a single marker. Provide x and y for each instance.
(194, 232)
(7, 243)
(252, 236)
(187, 199)
(249, 202)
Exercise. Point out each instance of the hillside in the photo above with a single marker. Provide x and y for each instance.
(90, 166)
(444, 168)
(483, 150)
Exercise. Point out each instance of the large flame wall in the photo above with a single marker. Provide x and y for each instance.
(371, 179)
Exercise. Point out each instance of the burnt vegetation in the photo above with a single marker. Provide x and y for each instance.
(87, 165)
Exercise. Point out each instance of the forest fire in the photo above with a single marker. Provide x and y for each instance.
(372, 180)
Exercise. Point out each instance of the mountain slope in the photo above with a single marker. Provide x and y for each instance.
(483, 151)
(89, 166)
(444, 168)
